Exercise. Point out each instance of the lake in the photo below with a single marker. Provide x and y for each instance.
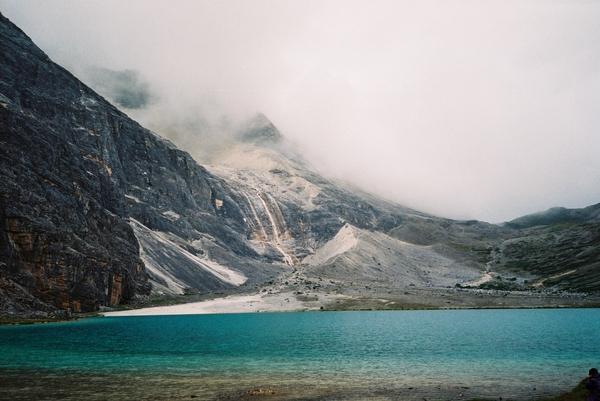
(443, 354)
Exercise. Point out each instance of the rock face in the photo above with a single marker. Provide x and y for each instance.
(62, 239)
(73, 169)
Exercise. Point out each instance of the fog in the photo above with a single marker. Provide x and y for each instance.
(466, 109)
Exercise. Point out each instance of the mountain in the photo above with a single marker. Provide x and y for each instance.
(558, 215)
(558, 247)
(97, 211)
(79, 178)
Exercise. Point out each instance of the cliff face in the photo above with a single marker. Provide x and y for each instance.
(73, 169)
(62, 237)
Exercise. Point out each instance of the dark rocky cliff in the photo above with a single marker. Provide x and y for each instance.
(63, 238)
(71, 165)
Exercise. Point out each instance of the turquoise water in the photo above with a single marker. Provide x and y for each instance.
(488, 351)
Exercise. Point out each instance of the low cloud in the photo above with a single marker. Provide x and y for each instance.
(125, 88)
(467, 109)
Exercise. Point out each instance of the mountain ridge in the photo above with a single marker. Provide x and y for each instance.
(557, 215)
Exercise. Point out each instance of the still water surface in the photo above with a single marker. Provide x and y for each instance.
(380, 355)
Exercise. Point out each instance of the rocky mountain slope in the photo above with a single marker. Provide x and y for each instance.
(96, 211)
(62, 243)
(377, 243)
(559, 247)
(74, 170)
(328, 229)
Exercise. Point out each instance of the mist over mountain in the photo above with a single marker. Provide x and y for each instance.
(97, 212)
(127, 89)
(479, 111)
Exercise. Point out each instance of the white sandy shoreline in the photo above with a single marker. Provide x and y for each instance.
(281, 302)
(292, 301)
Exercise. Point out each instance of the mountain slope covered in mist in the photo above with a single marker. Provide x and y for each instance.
(97, 211)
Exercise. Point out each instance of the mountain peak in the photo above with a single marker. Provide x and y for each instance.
(259, 130)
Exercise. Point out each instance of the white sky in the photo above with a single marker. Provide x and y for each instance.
(466, 109)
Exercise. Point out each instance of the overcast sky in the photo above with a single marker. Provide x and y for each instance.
(466, 109)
